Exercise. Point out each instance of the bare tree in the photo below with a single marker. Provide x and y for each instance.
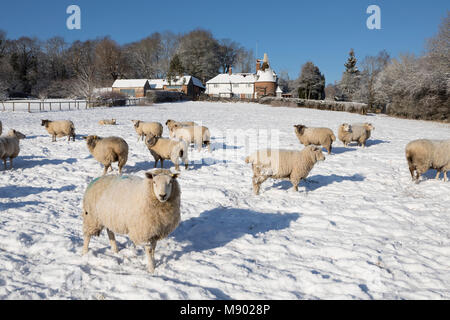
(110, 60)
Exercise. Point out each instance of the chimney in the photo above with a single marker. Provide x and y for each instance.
(258, 65)
(230, 70)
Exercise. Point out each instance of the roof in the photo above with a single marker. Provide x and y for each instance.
(160, 83)
(279, 90)
(233, 78)
(267, 76)
(130, 83)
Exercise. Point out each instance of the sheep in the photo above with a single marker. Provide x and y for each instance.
(146, 209)
(359, 132)
(146, 128)
(171, 125)
(111, 122)
(423, 155)
(108, 150)
(283, 164)
(59, 129)
(315, 136)
(10, 146)
(198, 135)
(167, 149)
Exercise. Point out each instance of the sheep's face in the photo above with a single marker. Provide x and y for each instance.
(136, 123)
(346, 127)
(300, 129)
(317, 153)
(151, 141)
(169, 122)
(16, 134)
(162, 185)
(369, 126)
(91, 141)
(45, 123)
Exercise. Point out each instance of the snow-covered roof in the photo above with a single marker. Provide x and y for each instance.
(267, 76)
(129, 83)
(233, 78)
(160, 83)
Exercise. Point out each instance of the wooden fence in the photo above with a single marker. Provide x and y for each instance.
(39, 106)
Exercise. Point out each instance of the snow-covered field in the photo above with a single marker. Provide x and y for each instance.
(357, 229)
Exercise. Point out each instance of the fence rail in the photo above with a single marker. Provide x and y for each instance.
(55, 105)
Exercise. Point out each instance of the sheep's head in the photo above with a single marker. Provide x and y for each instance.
(91, 141)
(300, 129)
(151, 140)
(162, 183)
(346, 127)
(316, 152)
(369, 126)
(169, 122)
(136, 123)
(45, 123)
(16, 134)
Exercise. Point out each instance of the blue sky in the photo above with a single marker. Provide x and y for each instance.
(291, 32)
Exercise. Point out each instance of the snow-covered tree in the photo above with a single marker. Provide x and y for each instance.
(350, 78)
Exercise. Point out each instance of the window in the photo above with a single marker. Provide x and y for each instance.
(128, 92)
(216, 85)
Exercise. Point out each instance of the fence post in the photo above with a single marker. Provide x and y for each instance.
(50, 106)
(60, 109)
(29, 107)
(13, 107)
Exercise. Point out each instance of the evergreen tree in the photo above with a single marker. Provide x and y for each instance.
(175, 69)
(311, 83)
(350, 79)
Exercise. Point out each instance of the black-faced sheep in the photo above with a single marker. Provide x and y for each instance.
(62, 128)
(108, 150)
(10, 146)
(146, 128)
(146, 209)
(167, 149)
(197, 135)
(315, 136)
(423, 155)
(359, 132)
(283, 164)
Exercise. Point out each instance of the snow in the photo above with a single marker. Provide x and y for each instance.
(129, 83)
(359, 228)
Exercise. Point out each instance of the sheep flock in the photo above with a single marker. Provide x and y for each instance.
(147, 209)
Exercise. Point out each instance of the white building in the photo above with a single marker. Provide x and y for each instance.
(245, 85)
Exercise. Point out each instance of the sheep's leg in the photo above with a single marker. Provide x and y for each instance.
(54, 138)
(438, 175)
(150, 251)
(105, 171)
(162, 163)
(87, 239)
(208, 143)
(11, 163)
(257, 181)
(295, 183)
(156, 162)
(4, 162)
(329, 148)
(112, 241)
(445, 176)
(186, 164)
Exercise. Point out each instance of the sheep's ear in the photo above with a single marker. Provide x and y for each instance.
(175, 175)
(149, 175)
(85, 138)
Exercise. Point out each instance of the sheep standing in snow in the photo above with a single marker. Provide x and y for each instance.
(167, 149)
(10, 146)
(146, 128)
(59, 129)
(283, 164)
(423, 155)
(171, 124)
(198, 135)
(359, 132)
(315, 136)
(111, 122)
(108, 150)
(145, 209)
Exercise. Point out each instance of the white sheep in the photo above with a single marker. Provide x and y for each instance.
(315, 136)
(108, 150)
(145, 209)
(283, 164)
(10, 146)
(198, 135)
(146, 128)
(359, 132)
(171, 124)
(61, 128)
(111, 122)
(167, 149)
(424, 154)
